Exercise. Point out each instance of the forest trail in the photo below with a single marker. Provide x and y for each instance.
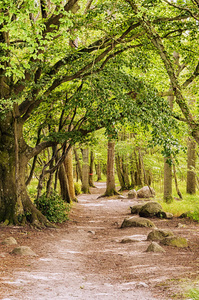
(85, 259)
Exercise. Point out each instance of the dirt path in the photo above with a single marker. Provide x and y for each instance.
(85, 259)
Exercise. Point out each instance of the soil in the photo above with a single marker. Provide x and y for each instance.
(85, 259)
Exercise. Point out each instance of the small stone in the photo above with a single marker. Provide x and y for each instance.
(128, 240)
(121, 197)
(91, 231)
(132, 194)
(9, 241)
(137, 222)
(142, 285)
(23, 250)
(180, 225)
(154, 247)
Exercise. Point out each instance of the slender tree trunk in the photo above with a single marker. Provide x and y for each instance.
(110, 182)
(91, 183)
(85, 171)
(98, 171)
(78, 165)
(191, 164)
(68, 164)
(167, 182)
(176, 182)
(119, 172)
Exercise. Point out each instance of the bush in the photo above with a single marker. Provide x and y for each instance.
(53, 207)
(77, 186)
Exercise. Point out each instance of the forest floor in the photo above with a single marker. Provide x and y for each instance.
(85, 259)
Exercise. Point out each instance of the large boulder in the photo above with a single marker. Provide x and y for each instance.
(132, 194)
(154, 247)
(136, 209)
(150, 209)
(145, 192)
(175, 242)
(158, 234)
(137, 222)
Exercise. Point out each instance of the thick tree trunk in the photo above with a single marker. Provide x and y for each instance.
(15, 205)
(119, 172)
(85, 171)
(191, 164)
(64, 186)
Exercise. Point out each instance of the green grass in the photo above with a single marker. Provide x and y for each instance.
(194, 294)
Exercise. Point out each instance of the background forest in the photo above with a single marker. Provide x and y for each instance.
(78, 75)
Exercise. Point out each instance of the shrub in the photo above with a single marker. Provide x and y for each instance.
(77, 186)
(53, 207)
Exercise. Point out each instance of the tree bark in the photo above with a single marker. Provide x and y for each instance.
(15, 204)
(110, 181)
(167, 182)
(68, 164)
(191, 164)
(85, 171)
(78, 165)
(91, 167)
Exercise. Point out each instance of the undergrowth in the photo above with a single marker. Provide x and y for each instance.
(53, 207)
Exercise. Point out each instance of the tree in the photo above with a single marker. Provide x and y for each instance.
(46, 80)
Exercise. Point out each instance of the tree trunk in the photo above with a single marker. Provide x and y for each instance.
(110, 182)
(119, 172)
(91, 183)
(15, 204)
(64, 186)
(68, 164)
(176, 182)
(191, 164)
(98, 171)
(167, 182)
(78, 165)
(85, 171)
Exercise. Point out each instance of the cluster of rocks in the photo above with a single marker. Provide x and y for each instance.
(21, 250)
(144, 192)
(158, 237)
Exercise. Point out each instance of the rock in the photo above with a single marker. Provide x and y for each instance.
(150, 209)
(121, 197)
(158, 234)
(9, 241)
(137, 222)
(136, 209)
(128, 240)
(180, 225)
(184, 215)
(164, 215)
(23, 250)
(141, 285)
(145, 192)
(175, 242)
(154, 247)
(132, 194)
